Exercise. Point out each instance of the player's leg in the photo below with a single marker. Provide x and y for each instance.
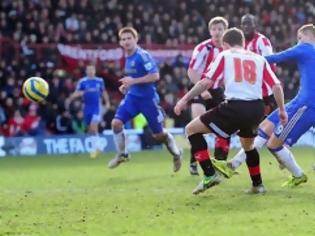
(194, 131)
(219, 122)
(197, 108)
(222, 145)
(253, 165)
(155, 117)
(300, 120)
(264, 132)
(126, 111)
(93, 130)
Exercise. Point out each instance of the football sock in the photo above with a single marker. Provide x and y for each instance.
(120, 141)
(171, 144)
(252, 161)
(259, 142)
(222, 146)
(285, 157)
(200, 151)
(192, 158)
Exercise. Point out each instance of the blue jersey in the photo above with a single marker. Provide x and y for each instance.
(92, 97)
(304, 55)
(137, 65)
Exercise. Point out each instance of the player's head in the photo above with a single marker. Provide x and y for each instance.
(128, 38)
(248, 25)
(217, 25)
(233, 37)
(90, 70)
(306, 34)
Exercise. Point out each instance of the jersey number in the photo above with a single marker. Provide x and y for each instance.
(245, 70)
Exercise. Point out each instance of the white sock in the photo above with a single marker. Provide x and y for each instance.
(120, 142)
(95, 143)
(286, 158)
(240, 157)
(171, 144)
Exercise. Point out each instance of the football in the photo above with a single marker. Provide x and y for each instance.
(35, 89)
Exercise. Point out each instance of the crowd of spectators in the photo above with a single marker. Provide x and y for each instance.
(171, 23)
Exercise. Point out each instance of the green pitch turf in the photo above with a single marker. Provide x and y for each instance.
(75, 195)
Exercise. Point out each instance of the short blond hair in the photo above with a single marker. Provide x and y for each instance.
(307, 28)
(130, 30)
(218, 20)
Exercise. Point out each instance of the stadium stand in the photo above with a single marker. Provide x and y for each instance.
(30, 31)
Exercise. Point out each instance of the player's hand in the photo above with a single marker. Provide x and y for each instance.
(127, 81)
(180, 106)
(206, 95)
(122, 88)
(283, 117)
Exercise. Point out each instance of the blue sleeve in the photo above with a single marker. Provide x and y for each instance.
(80, 86)
(102, 85)
(293, 53)
(148, 63)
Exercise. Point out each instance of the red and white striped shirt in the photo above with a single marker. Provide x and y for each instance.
(261, 45)
(243, 74)
(204, 53)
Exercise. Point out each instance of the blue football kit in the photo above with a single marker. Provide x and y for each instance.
(301, 109)
(141, 98)
(92, 98)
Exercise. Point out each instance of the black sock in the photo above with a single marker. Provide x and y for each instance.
(199, 148)
(252, 161)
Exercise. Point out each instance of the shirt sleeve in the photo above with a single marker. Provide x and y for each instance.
(269, 77)
(215, 71)
(264, 46)
(198, 56)
(149, 63)
(293, 53)
(80, 86)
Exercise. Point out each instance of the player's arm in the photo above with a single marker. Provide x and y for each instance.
(76, 94)
(292, 53)
(149, 78)
(106, 99)
(212, 77)
(193, 75)
(271, 80)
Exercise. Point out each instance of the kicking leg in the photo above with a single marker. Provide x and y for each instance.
(195, 130)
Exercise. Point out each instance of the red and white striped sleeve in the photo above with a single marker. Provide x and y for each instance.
(269, 77)
(216, 70)
(264, 46)
(198, 56)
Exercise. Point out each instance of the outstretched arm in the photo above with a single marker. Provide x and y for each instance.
(292, 53)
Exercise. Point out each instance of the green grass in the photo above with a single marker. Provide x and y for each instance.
(79, 196)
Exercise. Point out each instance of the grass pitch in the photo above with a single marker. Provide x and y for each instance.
(59, 195)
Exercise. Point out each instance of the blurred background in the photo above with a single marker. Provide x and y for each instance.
(55, 39)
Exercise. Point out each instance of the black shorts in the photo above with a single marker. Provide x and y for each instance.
(217, 97)
(270, 104)
(235, 116)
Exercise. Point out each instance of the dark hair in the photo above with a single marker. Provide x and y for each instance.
(128, 29)
(234, 36)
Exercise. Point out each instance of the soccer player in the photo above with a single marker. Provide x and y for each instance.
(141, 97)
(243, 74)
(260, 44)
(301, 109)
(203, 55)
(92, 89)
